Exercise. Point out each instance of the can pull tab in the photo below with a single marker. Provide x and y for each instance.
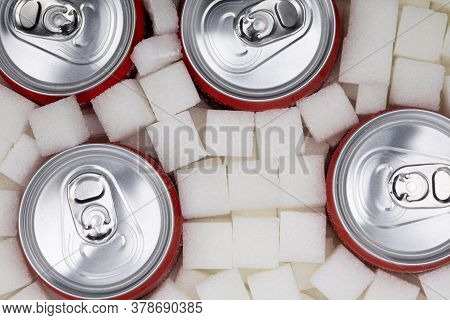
(421, 186)
(92, 207)
(271, 20)
(47, 18)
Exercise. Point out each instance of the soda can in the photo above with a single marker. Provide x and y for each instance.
(257, 55)
(388, 189)
(50, 49)
(100, 221)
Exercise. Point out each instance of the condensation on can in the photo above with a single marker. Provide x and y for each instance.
(388, 191)
(258, 55)
(101, 221)
(50, 49)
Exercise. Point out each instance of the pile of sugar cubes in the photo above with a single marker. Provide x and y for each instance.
(255, 224)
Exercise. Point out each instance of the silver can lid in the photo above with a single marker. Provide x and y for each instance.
(391, 187)
(96, 222)
(258, 50)
(59, 47)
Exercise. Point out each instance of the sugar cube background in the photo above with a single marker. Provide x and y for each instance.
(230, 133)
(225, 285)
(408, 89)
(437, 283)
(372, 98)
(188, 279)
(14, 272)
(35, 291)
(420, 34)
(155, 53)
(445, 54)
(255, 242)
(310, 147)
(94, 126)
(441, 6)
(5, 146)
(417, 3)
(327, 112)
(163, 14)
(59, 126)
(207, 245)
(203, 191)
(388, 287)
(176, 142)
(170, 90)
(141, 142)
(22, 161)
(342, 276)
(7, 184)
(276, 284)
(14, 114)
(168, 291)
(9, 212)
(302, 237)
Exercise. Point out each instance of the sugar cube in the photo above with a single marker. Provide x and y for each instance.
(170, 90)
(59, 126)
(436, 284)
(7, 184)
(372, 98)
(315, 294)
(14, 114)
(445, 54)
(5, 146)
(14, 272)
(302, 237)
(367, 49)
(199, 115)
(256, 242)
(155, 53)
(407, 89)
(420, 34)
(446, 95)
(441, 6)
(416, 3)
(94, 126)
(302, 182)
(351, 90)
(188, 279)
(22, 161)
(35, 291)
(141, 142)
(312, 148)
(210, 196)
(388, 287)
(164, 16)
(253, 185)
(9, 212)
(207, 245)
(123, 110)
(278, 132)
(327, 112)
(230, 133)
(277, 284)
(342, 276)
(168, 291)
(225, 285)
(176, 142)
(268, 213)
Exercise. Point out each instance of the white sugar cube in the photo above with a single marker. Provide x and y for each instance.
(278, 132)
(256, 242)
(35, 291)
(123, 110)
(421, 34)
(445, 55)
(253, 185)
(188, 279)
(9, 212)
(22, 161)
(176, 142)
(416, 3)
(446, 102)
(302, 182)
(207, 245)
(14, 114)
(225, 285)
(312, 148)
(367, 49)
(230, 133)
(268, 213)
(342, 276)
(327, 113)
(203, 191)
(155, 53)
(94, 126)
(142, 143)
(277, 284)
(388, 287)
(408, 89)
(168, 291)
(436, 284)
(14, 273)
(5, 146)
(164, 16)
(302, 237)
(441, 6)
(372, 98)
(59, 126)
(170, 90)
